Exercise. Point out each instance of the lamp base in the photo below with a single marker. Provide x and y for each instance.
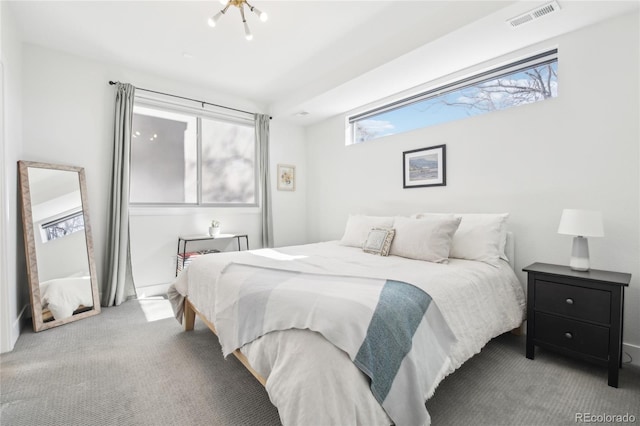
(580, 254)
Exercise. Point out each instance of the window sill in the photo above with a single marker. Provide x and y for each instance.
(191, 210)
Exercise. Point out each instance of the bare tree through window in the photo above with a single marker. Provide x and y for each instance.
(64, 226)
(523, 83)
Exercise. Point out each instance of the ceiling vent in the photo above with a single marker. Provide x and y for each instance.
(534, 14)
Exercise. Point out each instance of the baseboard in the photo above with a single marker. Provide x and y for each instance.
(152, 290)
(19, 324)
(633, 351)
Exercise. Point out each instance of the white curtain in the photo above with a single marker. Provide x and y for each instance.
(262, 135)
(119, 279)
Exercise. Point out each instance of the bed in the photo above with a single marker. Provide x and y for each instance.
(64, 297)
(314, 381)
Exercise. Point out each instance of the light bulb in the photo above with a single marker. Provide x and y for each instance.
(214, 19)
(223, 2)
(247, 32)
(263, 16)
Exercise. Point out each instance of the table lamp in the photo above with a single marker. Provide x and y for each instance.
(580, 224)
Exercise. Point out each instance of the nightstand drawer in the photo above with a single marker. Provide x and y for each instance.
(573, 335)
(577, 302)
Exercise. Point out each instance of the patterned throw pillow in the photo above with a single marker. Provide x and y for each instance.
(379, 241)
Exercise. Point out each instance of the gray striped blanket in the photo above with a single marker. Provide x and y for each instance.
(392, 331)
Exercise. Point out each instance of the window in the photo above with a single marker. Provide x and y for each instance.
(185, 157)
(228, 162)
(63, 226)
(523, 82)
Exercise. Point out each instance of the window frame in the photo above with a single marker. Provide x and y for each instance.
(545, 57)
(238, 118)
(46, 226)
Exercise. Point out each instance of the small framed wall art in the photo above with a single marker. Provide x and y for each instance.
(286, 177)
(424, 167)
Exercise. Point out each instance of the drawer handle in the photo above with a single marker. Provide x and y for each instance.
(568, 335)
(569, 301)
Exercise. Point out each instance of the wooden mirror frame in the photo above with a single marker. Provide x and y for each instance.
(30, 245)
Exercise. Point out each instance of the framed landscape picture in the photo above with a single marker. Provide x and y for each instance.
(424, 167)
(286, 177)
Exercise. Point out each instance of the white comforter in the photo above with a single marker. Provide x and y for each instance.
(62, 296)
(309, 380)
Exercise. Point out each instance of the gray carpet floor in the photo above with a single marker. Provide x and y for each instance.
(127, 366)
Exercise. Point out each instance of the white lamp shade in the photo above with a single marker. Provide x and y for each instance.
(585, 223)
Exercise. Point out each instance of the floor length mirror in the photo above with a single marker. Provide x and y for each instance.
(58, 244)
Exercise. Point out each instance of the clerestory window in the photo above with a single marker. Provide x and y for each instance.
(63, 226)
(523, 82)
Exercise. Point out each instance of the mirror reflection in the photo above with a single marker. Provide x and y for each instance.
(58, 244)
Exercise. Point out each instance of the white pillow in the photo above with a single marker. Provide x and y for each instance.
(480, 236)
(358, 227)
(423, 239)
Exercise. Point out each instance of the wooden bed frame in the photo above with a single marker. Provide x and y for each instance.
(190, 313)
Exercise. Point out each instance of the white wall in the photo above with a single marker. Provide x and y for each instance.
(289, 207)
(68, 119)
(62, 257)
(14, 293)
(580, 150)
(154, 234)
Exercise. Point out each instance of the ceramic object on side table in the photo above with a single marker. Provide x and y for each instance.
(214, 229)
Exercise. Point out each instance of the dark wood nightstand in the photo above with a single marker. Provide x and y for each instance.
(576, 313)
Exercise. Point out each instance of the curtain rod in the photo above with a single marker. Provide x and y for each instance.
(189, 99)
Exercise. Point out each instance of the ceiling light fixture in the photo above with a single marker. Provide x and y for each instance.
(240, 5)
